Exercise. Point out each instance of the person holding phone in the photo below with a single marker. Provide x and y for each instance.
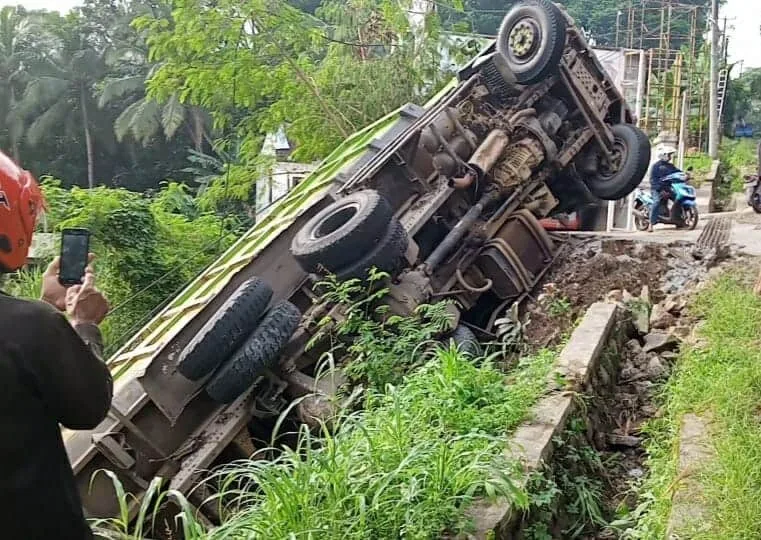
(51, 374)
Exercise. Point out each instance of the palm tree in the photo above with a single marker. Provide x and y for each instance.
(145, 117)
(61, 92)
(13, 29)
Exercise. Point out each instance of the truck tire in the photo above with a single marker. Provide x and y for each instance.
(260, 351)
(225, 330)
(465, 341)
(634, 147)
(532, 40)
(387, 255)
(342, 232)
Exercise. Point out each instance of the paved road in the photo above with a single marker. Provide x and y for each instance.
(744, 232)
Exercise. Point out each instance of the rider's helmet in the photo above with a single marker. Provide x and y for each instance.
(20, 204)
(666, 151)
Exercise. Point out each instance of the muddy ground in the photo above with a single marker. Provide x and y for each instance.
(587, 270)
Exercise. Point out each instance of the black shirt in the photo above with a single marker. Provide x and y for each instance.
(48, 376)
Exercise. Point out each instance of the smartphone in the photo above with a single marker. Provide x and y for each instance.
(75, 248)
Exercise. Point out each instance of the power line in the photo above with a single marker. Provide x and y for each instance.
(161, 278)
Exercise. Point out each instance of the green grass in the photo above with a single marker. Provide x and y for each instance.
(407, 466)
(721, 379)
(26, 283)
(701, 166)
(570, 491)
(429, 440)
(737, 155)
(700, 163)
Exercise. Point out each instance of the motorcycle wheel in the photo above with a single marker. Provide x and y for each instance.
(755, 202)
(642, 223)
(690, 217)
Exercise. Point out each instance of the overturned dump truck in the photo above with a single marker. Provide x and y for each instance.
(445, 198)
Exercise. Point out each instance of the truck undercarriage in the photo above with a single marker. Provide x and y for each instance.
(445, 199)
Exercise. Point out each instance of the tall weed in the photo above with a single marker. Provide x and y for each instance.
(407, 466)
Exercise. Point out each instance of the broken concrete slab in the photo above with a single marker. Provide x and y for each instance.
(661, 319)
(644, 295)
(656, 369)
(665, 313)
(660, 341)
(628, 441)
(640, 316)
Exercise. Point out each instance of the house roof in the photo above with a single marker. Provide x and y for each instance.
(276, 142)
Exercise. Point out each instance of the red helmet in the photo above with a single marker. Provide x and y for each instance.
(20, 203)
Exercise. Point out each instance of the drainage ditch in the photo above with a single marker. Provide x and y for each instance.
(584, 484)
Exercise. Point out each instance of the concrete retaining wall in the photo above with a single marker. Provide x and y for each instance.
(581, 365)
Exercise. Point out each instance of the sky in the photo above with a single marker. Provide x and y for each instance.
(744, 22)
(745, 37)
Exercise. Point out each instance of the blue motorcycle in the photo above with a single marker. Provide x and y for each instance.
(683, 210)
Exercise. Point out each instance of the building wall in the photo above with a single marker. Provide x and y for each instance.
(284, 177)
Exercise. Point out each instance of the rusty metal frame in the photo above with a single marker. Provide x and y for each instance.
(600, 129)
(568, 153)
(219, 430)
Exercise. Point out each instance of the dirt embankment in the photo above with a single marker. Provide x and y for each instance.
(590, 270)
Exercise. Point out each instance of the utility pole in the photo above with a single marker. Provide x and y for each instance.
(725, 42)
(683, 129)
(713, 105)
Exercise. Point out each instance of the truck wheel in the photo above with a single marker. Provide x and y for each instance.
(632, 151)
(260, 351)
(532, 39)
(387, 255)
(342, 232)
(466, 341)
(225, 330)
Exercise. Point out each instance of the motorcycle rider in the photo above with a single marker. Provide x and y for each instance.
(660, 170)
(51, 373)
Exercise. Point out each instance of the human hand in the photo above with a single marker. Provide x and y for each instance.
(85, 304)
(52, 291)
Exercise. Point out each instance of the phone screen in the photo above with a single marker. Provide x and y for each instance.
(75, 246)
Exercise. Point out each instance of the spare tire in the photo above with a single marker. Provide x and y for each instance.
(343, 232)
(387, 255)
(532, 40)
(633, 152)
(260, 351)
(225, 330)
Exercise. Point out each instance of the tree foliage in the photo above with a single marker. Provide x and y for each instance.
(744, 100)
(54, 72)
(146, 247)
(322, 76)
